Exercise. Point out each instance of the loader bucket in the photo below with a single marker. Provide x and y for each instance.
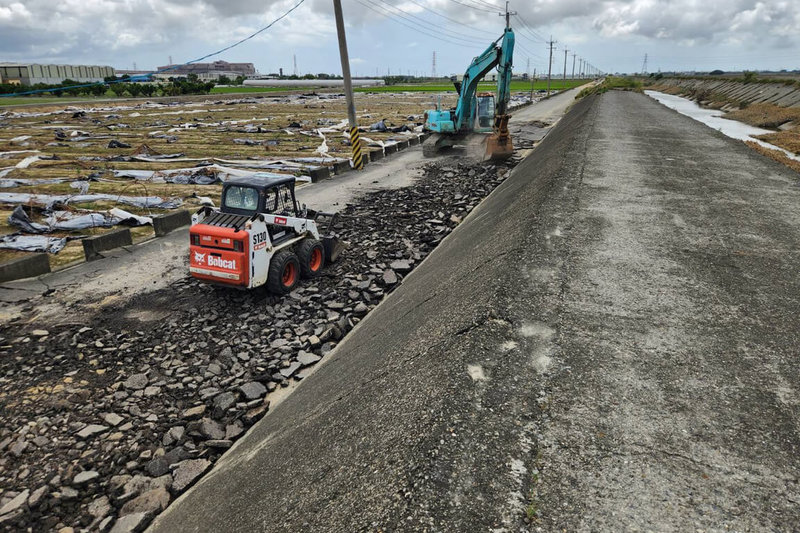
(333, 247)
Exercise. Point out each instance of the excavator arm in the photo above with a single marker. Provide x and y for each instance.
(479, 67)
(498, 145)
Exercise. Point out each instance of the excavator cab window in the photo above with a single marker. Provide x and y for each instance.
(485, 114)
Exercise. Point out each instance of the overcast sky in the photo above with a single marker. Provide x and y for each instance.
(400, 36)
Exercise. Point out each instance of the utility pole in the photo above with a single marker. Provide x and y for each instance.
(551, 42)
(507, 15)
(573, 65)
(355, 139)
(533, 80)
(433, 66)
(294, 61)
(565, 68)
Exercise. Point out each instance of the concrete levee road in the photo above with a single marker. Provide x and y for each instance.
(609, 342)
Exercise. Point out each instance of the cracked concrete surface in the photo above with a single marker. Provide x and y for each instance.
(650, 263)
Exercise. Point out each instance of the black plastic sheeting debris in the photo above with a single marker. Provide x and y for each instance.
(33, 243)
(71, 221)
(49, 201)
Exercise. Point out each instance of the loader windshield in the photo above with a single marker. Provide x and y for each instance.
(239, 198)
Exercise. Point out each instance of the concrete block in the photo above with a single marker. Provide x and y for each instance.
(413, 141)
(375, 155)
(163, 224)
(390, 149)
(402, 145)
(319, 174)
(92, 246)
(423, 137)
(342, 167)
(25, 267)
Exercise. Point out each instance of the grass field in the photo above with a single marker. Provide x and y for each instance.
(411, 87)
(232, 90)
(22, 100)
(555, 85)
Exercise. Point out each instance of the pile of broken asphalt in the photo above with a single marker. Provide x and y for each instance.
(106, 421)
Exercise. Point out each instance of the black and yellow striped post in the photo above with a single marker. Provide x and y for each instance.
(358, 155)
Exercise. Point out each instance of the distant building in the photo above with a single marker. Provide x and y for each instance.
(33, 73)
(209, 71)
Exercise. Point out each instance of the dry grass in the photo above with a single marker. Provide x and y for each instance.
(220, 122)
(788, 140)
(777, 155)
(765, 115)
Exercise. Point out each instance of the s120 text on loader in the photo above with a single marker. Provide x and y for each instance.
(477, 112)
(259, 236)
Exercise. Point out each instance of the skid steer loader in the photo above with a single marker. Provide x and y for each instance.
(259, 236)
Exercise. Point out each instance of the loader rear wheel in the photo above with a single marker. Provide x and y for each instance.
(284, 272)
(312, 257)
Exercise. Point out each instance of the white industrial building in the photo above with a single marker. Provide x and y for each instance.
(33, 73)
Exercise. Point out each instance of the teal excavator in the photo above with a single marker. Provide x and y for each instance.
(477, 112)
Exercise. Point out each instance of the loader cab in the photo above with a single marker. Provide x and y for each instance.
(265, 193)
(484, 112)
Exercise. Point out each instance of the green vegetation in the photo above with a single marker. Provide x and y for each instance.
(230, 90)
(516, 85)
(36, 100)
(612, 83)
(112, 88)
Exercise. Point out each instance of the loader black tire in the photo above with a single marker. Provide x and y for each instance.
(311, 254)
(284, 272)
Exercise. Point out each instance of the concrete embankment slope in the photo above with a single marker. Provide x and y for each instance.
(423, 416)
(609, 343)
(738, 93)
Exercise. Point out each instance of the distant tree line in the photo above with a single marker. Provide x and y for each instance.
(118, 87)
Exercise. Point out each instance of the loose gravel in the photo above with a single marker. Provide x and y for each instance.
(105, 421)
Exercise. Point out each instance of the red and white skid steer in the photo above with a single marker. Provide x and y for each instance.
(260, 236)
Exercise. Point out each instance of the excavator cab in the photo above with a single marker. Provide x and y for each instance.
(484, 113)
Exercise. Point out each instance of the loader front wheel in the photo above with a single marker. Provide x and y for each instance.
(284, 272)
(311, 254)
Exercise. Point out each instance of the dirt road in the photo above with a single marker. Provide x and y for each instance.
(608, 342)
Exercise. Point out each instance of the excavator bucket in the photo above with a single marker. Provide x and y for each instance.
(498, 145)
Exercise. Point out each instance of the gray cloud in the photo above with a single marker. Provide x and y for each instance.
(72, 30)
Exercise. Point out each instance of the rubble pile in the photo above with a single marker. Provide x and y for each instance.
(105, 421)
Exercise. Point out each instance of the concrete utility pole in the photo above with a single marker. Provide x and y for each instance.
(550, 63)
(565, 68)
(355, 140)
(573, 65)
(507, 15)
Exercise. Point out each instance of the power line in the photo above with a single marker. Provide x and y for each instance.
(434, 27)
(530, 29)
(473, 7)
(171, 67)
(411, 26)
(450, 19)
